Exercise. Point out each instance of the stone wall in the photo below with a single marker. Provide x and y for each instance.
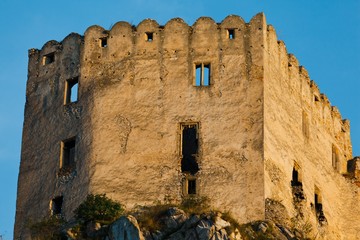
(303, 131)
(259, 118)
(143, 92)
(48, 122)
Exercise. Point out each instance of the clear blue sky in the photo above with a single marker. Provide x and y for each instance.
(323, 35)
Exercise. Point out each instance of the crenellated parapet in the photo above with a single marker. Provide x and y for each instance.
(311, 100)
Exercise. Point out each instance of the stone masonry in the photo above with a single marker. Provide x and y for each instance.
(153, 113)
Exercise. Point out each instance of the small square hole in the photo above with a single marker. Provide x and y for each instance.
(149, 36)
(231, 33)
(103, 42)
(56, 205)
(49, 58)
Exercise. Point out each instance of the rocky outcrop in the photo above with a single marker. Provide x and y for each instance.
(125, 228)
(175, 224)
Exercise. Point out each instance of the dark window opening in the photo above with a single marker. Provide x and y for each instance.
(149, 36)
(189, 149)
(103, 42)
(319, 209)
(316, 98)
(56, 205)
(68, 154)
(191, 188)
(295, 178)
(49, 58)
(296, 185)
(202, 74)
(71, 90)
(231, 33)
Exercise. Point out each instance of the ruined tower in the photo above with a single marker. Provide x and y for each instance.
(157, 113)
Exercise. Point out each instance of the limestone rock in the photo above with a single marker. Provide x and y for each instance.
(125, 228)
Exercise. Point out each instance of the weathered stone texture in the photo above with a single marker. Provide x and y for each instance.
(259, 116)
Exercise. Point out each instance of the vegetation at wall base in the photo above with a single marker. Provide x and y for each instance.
(98, 208)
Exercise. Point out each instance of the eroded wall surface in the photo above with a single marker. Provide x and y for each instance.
(302, 131)
(48, 121)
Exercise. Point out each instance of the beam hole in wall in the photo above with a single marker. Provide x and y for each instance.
(231, 33)
(202, 74)
(149, 36)
(48, 58)
(71, 90)
(56, 205)
(316, 98)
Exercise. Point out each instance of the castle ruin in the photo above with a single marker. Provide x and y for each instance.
(156, 113)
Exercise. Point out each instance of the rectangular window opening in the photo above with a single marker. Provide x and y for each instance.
(202, 75)
(319, 206)
(296, 184)
(49, 58)
(231, 33)
(296, 180)
(56, 205)
(189, 149)
(149, 36)
(71, 90)
(103, 42)
(191, 188)
(67, 158)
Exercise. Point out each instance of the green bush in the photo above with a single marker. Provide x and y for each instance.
(99, 208)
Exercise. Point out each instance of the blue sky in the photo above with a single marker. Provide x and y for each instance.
(323, 35)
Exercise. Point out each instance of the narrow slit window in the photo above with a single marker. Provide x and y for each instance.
(198, 75)
(206, 78)
(56, 205)
(71, 90)
(305, 125)
(296, 184)
(49, 58)
(149, 36)
(335, 158)
(103, 42)
(67, 158)
(231, 33)
(202, 74)
(296, 180)
(191, 188)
